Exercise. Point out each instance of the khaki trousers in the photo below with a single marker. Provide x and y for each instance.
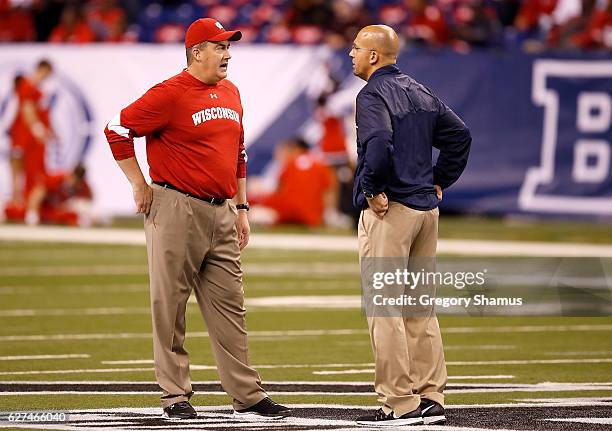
(192, 245)
(408, 352)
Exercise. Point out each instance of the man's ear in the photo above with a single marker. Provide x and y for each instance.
(373, 57)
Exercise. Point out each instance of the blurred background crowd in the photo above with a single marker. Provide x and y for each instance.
(531, 25)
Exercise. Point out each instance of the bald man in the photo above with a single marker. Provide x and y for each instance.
(397, 187)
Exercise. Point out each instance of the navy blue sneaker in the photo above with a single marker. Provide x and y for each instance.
(433, 412)
(266, 409)
(382, 419)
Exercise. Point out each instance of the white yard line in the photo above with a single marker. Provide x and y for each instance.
(525, 328)
(217, 416)
(74, 288)
(309, 242)
(48, 312)
(478, 388)
(147, 335)
(217, 382)
(599, 421)
(567, 388)
(311, 333)
(38, 357)
(301, 366)
(61, 270)
(534, 361)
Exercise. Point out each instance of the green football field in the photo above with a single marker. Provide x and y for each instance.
(79, 313)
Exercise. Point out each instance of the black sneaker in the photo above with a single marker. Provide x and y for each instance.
(381, 419)
(433, 412)
(265, 409)
(180, 410)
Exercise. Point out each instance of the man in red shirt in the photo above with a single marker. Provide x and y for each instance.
(195, 149)
(29, 132)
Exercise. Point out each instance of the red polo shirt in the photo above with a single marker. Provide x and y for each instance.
(194, 134)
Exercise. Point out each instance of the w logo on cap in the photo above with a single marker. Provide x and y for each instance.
(218, 24)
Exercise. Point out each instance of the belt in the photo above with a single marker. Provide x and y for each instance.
(214, 201)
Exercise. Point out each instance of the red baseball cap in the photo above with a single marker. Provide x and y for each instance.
(205, 29)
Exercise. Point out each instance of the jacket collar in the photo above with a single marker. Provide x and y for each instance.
(390, 68)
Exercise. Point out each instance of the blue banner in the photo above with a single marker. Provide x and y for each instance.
(541, 128)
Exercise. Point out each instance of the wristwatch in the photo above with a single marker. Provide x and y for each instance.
(369, 195)
(244, 206)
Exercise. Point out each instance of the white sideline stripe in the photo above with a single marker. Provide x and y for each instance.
(81, 419)
(47, 312)
(192, 367)
(214, 393)
(61, 270)
(599, 421)
(536, 388)
(526, 328)
(309, 333)
(566, 400)
(146, 335)
(217, 382)
(371, 371)
(34, 357)
(289, 366)
(309, 242)
(534, 361)
(466, 388)
(482, 347)
(333, 373)
(75, 288)
(528, 402)
(313, 270)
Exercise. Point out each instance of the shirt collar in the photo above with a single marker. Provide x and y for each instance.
(390, 68)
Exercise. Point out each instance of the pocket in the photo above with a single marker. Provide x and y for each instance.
(155, 204)
(152, 212)
(232, 207)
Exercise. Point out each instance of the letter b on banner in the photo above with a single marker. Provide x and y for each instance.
(575, 173)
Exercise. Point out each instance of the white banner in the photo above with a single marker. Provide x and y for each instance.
(91, 84)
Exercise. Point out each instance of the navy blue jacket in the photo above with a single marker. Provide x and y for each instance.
(398, 123)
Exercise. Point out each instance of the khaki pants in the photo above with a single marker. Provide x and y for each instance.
(408, 353)
(192, 245)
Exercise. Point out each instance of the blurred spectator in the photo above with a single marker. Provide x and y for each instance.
(107, 20)
(30, 132)
(305, 192)
(73, 28)
(64, 198)
(67, 199)
(461, 24)
(476, 23)
(426, 24)
(16, 24)
(533, 14)
(599, 31)
(309, 19)
(349, 18)
(572, 31)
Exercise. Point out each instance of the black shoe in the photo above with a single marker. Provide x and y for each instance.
(180, 410)
(433, 412)
(265, 409)
(381, 419)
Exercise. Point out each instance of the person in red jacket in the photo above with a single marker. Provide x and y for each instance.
(306, 188)
(67, 199)
(197, 159)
